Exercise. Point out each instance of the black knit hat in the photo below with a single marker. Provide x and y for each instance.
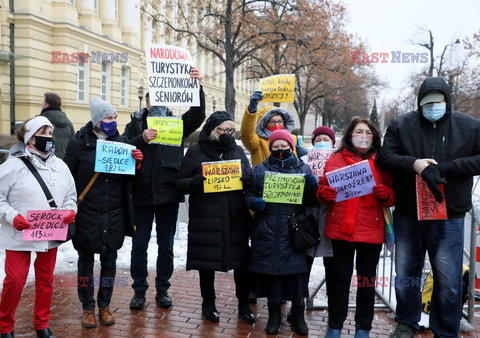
(216, 119)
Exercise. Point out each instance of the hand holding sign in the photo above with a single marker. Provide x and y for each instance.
(195, 74)
(326, 193)
(69, 218)
(149, 134)
(431, 175)
(138, 156)
(21, 223)
(381, 192)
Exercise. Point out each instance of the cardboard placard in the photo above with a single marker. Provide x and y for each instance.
(283, 188)
(427, 206)
(169, 130)
(352, 181)
(47, 225)
(114, 158)
(278, 88)
(222, 176)
(316, 160)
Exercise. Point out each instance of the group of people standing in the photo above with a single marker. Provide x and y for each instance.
(238, 230)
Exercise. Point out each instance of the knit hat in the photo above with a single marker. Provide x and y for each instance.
(215, 120)
(281, 135)
(324, 130)
(100, 109)
(34, 125)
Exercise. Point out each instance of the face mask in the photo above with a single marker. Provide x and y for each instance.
(275, 127)
(282, 154)
(434, 112)
(226, 139)
(108, 128)
(322, 145)
(44, 144)
(362, 141)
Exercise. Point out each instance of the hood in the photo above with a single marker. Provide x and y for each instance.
(434, 84)
(267, 113)
(57, 117)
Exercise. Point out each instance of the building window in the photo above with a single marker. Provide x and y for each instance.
(95, 6)
(105, 82)
(116, 10)
(82, 82)
(124, 83)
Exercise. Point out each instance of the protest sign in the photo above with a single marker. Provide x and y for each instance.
(352, 181)
(47, 225)
(278, 88)
(283, 188)
(114, 158)
(169, 82)
(427, 206)
(316, 160)
(222, 176)
(169, 130)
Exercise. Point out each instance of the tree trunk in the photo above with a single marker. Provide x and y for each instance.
(302, 117)
(230, 89)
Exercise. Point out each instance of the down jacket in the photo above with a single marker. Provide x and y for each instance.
(219, 223)
(63, 131)
(272, 252)
(254, 133)
(21, 192)
(100, 222)
(369, 219)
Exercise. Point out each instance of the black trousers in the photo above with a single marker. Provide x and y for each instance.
(87, 281)
(338, 275)
(207, 288)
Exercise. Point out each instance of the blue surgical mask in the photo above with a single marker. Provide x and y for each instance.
(322, 145)
(108, 128)
(435, 111)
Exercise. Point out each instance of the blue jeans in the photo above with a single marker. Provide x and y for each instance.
(166, 223)
(443, 240)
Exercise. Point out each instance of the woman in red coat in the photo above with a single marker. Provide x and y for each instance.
(356, 226)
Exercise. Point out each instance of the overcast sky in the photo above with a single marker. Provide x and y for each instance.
(395, 25)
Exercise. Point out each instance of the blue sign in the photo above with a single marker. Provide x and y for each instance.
(114, 158)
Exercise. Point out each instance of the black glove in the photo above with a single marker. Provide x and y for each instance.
(196, 183)
(256, 96)
(446, 168)
(431, 175)
(247, 181)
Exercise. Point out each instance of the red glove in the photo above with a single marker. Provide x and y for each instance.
(21, 223)
(138, 156)
(326, 193)
(381, 192)
(70, 218)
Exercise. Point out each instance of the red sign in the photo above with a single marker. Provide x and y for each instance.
(427, 206)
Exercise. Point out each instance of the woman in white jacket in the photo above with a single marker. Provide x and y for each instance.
(20, 192)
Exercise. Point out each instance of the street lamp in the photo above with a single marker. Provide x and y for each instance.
(140, 97)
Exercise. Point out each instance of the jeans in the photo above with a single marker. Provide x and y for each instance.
(87, 281)
(166, 223)
(443, 240)
(338, 276)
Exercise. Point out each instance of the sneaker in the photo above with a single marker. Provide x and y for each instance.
(88, 318)
(403, 331)
(105, 316)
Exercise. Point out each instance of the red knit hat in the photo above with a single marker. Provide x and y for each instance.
(324, 130)
(281, 135)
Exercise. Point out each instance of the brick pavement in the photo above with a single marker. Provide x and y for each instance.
(184, 319)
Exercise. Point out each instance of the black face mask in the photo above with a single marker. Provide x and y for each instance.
(226, 139)
(282, 154)
(44, 144)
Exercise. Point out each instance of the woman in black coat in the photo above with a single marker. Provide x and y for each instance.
(219, 222)
(101, 218)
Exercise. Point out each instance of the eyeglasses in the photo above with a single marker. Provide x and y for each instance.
(274, 122)
(228, 131)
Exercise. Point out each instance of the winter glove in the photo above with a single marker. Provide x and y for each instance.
(256, 96)
(138, 156)
(21, 223)
(326, 193)
(247, 181)
(431, 175)
(258, 204)
(70, 218)
(446, 168)
(381, 192)
(196, 183)
(310, 180)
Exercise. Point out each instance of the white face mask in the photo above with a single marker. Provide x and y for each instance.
(362, 141)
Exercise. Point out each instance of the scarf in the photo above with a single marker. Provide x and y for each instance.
(348, 223)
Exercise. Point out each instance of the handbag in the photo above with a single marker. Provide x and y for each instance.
(303, 230)
(389, 233)
(48, 195)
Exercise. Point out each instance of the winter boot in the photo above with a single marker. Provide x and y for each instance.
(274, 318)
(88, 318)
(105, 316)
(245, 312)
(298, 319)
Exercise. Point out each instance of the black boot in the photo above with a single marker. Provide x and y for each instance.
(210, 312)
(138, 300)
(245, 312)
(45, 333)
(274, 318)
(8, 335)
(298, 319)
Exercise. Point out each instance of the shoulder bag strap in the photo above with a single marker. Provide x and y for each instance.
(87, 188)
(40, 180)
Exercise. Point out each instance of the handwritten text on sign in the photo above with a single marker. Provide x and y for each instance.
(222, 176)
(278, 88)
(114, 158)
(427, 206)
(169, 82)
(283, 188)
(316, 159)
(352, 181)
(169, 130)
(47, 225)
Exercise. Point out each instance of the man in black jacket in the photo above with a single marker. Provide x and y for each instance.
(443, 147)
(155, 194)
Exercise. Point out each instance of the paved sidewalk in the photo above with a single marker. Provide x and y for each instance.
(184, 319)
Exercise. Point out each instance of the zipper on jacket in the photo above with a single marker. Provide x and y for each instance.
(434, 139)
